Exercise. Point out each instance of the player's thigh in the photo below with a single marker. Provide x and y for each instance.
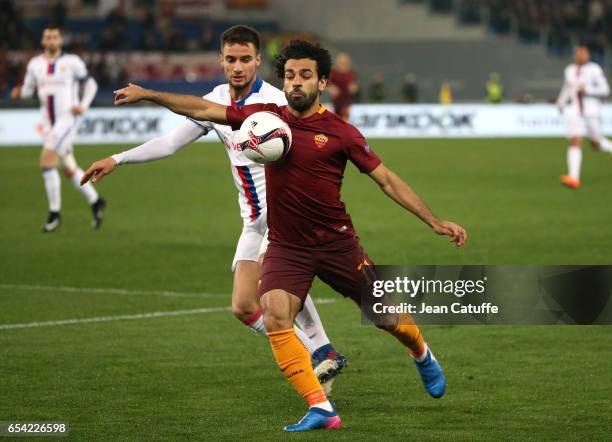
(593, 128)
(249, 242)
(575, 126)
(60, 137)
(347, 269)
(287, 268)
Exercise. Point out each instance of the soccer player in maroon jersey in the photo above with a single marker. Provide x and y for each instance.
(310, 232)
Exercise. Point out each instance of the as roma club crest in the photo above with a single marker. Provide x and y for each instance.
(320, 140)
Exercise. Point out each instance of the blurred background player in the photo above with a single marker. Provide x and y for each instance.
(584, 86)
(57, 77)
(495, 88)
(240, 58)
(343, 85)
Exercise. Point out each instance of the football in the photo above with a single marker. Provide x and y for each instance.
(264, 137)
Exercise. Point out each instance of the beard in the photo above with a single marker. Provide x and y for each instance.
(239, 87)
(302, 102)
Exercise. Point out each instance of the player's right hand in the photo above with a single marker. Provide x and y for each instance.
(457, 234)
(98, 170)
(16, 92)
(132, 93)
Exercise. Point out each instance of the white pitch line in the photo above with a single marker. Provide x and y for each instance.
(112, 291)
(129, 292)
(129, 317)
(114, 318)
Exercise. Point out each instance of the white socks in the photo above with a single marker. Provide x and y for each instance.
(574, 161)
(309, 321)
(605, 144)
(327, 406)
(255, 323)
(53, 188)
(86, 190)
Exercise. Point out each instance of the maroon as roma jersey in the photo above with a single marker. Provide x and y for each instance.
(303, 188)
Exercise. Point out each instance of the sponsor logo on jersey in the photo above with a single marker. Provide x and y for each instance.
(320, 140)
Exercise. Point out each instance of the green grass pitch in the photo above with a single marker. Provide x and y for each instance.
(167, 244)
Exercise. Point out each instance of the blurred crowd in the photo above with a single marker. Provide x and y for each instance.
(140, 30)
(105, 41)
(556, 23)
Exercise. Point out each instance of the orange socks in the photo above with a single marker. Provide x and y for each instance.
(409, 335)
(294, 361)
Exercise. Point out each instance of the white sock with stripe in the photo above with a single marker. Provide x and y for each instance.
(255, 323)
(53, 188)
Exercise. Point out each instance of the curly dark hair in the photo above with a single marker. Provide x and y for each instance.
(299, 49)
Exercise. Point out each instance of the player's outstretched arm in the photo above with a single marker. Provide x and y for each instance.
(189, 105)
(400, 192)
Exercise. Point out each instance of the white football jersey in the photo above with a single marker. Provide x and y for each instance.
(249, 177)
(57, 83)
(591, 78)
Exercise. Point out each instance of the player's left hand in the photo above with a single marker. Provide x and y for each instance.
(457, 234)
(132, 93)
(99, 170)
(77, 110)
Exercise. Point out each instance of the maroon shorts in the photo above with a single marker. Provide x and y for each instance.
(343, 265)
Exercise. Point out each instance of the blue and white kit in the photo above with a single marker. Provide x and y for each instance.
(249, 177)
(57, 84)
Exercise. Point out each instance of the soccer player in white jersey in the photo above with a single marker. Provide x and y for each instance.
(57, 77)
(583, 88)
(240, 58)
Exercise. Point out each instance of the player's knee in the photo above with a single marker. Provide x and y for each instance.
(48, 159)
(244, 310)
(275, 322)
(68, 172)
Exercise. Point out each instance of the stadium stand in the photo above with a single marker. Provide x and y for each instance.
(146, 40)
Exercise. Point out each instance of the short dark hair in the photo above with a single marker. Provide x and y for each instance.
(240, 34)
(299, 49)
(587, 46)
(53, 27)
